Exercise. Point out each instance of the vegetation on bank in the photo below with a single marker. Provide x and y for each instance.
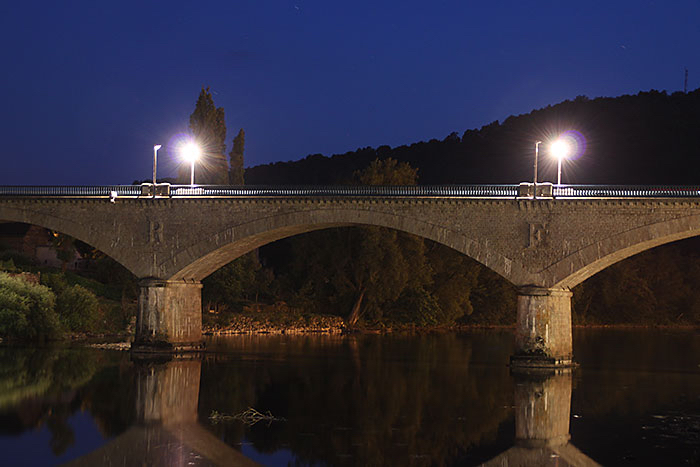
(39, 303)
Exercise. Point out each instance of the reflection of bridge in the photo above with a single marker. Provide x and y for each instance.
(543, 245)
(167, 432)
(542, 415)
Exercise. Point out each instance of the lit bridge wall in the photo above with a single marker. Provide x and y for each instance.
(543, 246)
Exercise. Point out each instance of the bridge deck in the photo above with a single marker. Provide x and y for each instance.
(418, 191)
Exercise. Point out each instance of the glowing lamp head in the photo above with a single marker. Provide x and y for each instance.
(157, 147)
(560, 149)
(191, 152)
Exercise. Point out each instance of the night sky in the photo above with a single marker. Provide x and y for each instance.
(88, 87)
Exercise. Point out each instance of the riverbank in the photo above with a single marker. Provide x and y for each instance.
(273, 323)
(335, 325)
(332, 325)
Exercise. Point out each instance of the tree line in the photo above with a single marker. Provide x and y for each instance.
(384, 277)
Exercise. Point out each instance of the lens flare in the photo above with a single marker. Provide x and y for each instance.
(560, 149)
(191, 152)
(575, 142)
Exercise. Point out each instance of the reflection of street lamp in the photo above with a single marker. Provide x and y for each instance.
(155, 163)
(537, 153)
(561, 150)
(191, 152)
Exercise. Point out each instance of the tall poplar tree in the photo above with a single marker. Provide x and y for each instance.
(236, 156)
(208, 127)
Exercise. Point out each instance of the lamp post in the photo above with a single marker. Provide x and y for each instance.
(537, 154)
(191, 153)
(155, 164)
(561, 150)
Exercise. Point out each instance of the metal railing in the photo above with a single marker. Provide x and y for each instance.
(70, 191)
(447, 191)
(265, 191)
(625, 191)
(349, 191)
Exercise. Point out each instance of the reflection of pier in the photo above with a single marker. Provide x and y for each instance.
(167, 432)
(542, 414)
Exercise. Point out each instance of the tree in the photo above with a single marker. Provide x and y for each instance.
(64, 247)
(359, 271)
(241, 280)
(454, 277)
(78, 308)
(208, 127)
(236, 156)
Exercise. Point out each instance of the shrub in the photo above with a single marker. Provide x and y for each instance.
(18, 258)
(8, 265)
(55, 281)
(78, 308)
(27, 310)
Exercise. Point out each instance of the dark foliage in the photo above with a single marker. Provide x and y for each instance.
(641, 139)
(630, 139)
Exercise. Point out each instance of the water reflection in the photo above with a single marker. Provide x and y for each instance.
(444, 399)
(166, 432)
(542, 414)
(363, 400)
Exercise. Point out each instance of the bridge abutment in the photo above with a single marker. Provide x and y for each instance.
(543, 330)
(169, 318)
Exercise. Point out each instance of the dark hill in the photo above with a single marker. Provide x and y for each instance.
(649, 138)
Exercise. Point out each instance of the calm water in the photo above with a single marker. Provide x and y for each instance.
(444, 399)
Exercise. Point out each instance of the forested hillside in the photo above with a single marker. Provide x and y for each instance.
(648, 138)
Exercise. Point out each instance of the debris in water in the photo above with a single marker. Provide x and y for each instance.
(249, 417)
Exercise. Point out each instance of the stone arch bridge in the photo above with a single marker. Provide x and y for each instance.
(543, 245)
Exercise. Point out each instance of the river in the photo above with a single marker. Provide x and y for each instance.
(435, 399)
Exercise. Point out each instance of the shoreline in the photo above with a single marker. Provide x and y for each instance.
(122, 341)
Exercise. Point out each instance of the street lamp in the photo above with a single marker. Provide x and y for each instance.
(537, 154)
(191, 152)
(561, 150)
(155, 164)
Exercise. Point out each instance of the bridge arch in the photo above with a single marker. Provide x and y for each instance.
(209, 254)
(100, 240)
(596, 257)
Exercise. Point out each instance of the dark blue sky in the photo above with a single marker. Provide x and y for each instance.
(89, 86)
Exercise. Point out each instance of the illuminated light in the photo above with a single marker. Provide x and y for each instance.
(191, 152)
(576, 142)
(561, 149)
(570, 145)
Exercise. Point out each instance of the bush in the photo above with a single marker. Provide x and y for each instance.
(78, 309)
(27, 310)
(8, 265)
(56, 281)
(18, 258)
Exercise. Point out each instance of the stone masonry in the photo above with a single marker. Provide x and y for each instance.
(544, 247)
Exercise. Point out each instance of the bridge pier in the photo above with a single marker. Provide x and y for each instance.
(543, 330)
(169, 318)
